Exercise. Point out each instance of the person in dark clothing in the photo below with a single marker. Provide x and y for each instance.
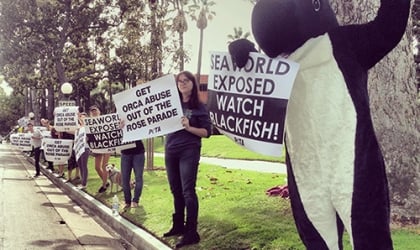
(182, 156)
(71, 163)
(46, 123)
(58, 135)
(82, 161)
(36, 140)
(101, 160)
(132, 159)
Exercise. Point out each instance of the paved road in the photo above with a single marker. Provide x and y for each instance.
(260, 166)
(35, 214)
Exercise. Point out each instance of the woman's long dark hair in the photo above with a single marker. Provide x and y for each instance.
(194, 99)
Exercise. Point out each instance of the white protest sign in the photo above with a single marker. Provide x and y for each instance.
(249, 104)
(23, 121)
(22, 141)
(66, 118)
(62, 103)
(57, 150)
(150, 109)
(25, 141)
(79, 142)
(14, 139)
(103, 134)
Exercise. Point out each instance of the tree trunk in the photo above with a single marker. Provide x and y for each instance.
(27, 101)
(393, 93)
(200, 52)
(51, 102)
(35, 105)
(181, 48)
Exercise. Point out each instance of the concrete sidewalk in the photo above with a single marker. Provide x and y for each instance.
(132, 234)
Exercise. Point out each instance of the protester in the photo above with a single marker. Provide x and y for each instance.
(82, 161)
(101, 160)
(47, 125)
(36, 140)
(58, 135)
(71, 163)
(182, 156)
(132, 159)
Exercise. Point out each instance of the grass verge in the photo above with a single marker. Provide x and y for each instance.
(235, 212)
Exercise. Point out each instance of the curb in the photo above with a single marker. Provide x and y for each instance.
(134, 235)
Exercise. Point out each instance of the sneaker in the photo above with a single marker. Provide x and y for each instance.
(58, 175)
(107, 184)
(127, 206)
(36, 175)
(81, 187)
(77, 178)
(102, 189)
(134, 204)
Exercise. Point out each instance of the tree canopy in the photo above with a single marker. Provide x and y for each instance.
(104, 44)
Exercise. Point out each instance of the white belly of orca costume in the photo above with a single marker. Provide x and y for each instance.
(320, 138)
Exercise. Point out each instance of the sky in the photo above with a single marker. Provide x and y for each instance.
(7, 89)
(229, 14)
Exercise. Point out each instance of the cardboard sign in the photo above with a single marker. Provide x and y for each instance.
(249, 104)
(150, 109)
(57, 150)
(23, 141)
(14, 139)
(66, 118)
(104, 135)
(80, 142)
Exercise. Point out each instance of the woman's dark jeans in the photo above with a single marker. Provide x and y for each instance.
(37, 156)
(131, 162)
(182, 168)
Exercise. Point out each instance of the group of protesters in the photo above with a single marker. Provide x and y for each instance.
(72, 164)
(182, 156)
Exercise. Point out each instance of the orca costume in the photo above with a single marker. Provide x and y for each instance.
(336, 172)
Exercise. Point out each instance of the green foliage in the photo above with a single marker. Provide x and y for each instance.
(238, 34)
(8, 115)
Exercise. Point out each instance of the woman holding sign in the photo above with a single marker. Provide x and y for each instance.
(101, 160)
(82, 152)
(58, 135)
(182, 156)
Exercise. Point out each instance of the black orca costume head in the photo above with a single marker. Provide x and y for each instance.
(293, 22)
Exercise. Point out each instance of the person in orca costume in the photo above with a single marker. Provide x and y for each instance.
(336, 171)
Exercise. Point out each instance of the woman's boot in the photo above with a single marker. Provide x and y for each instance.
(190, 237)
(177, 226)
